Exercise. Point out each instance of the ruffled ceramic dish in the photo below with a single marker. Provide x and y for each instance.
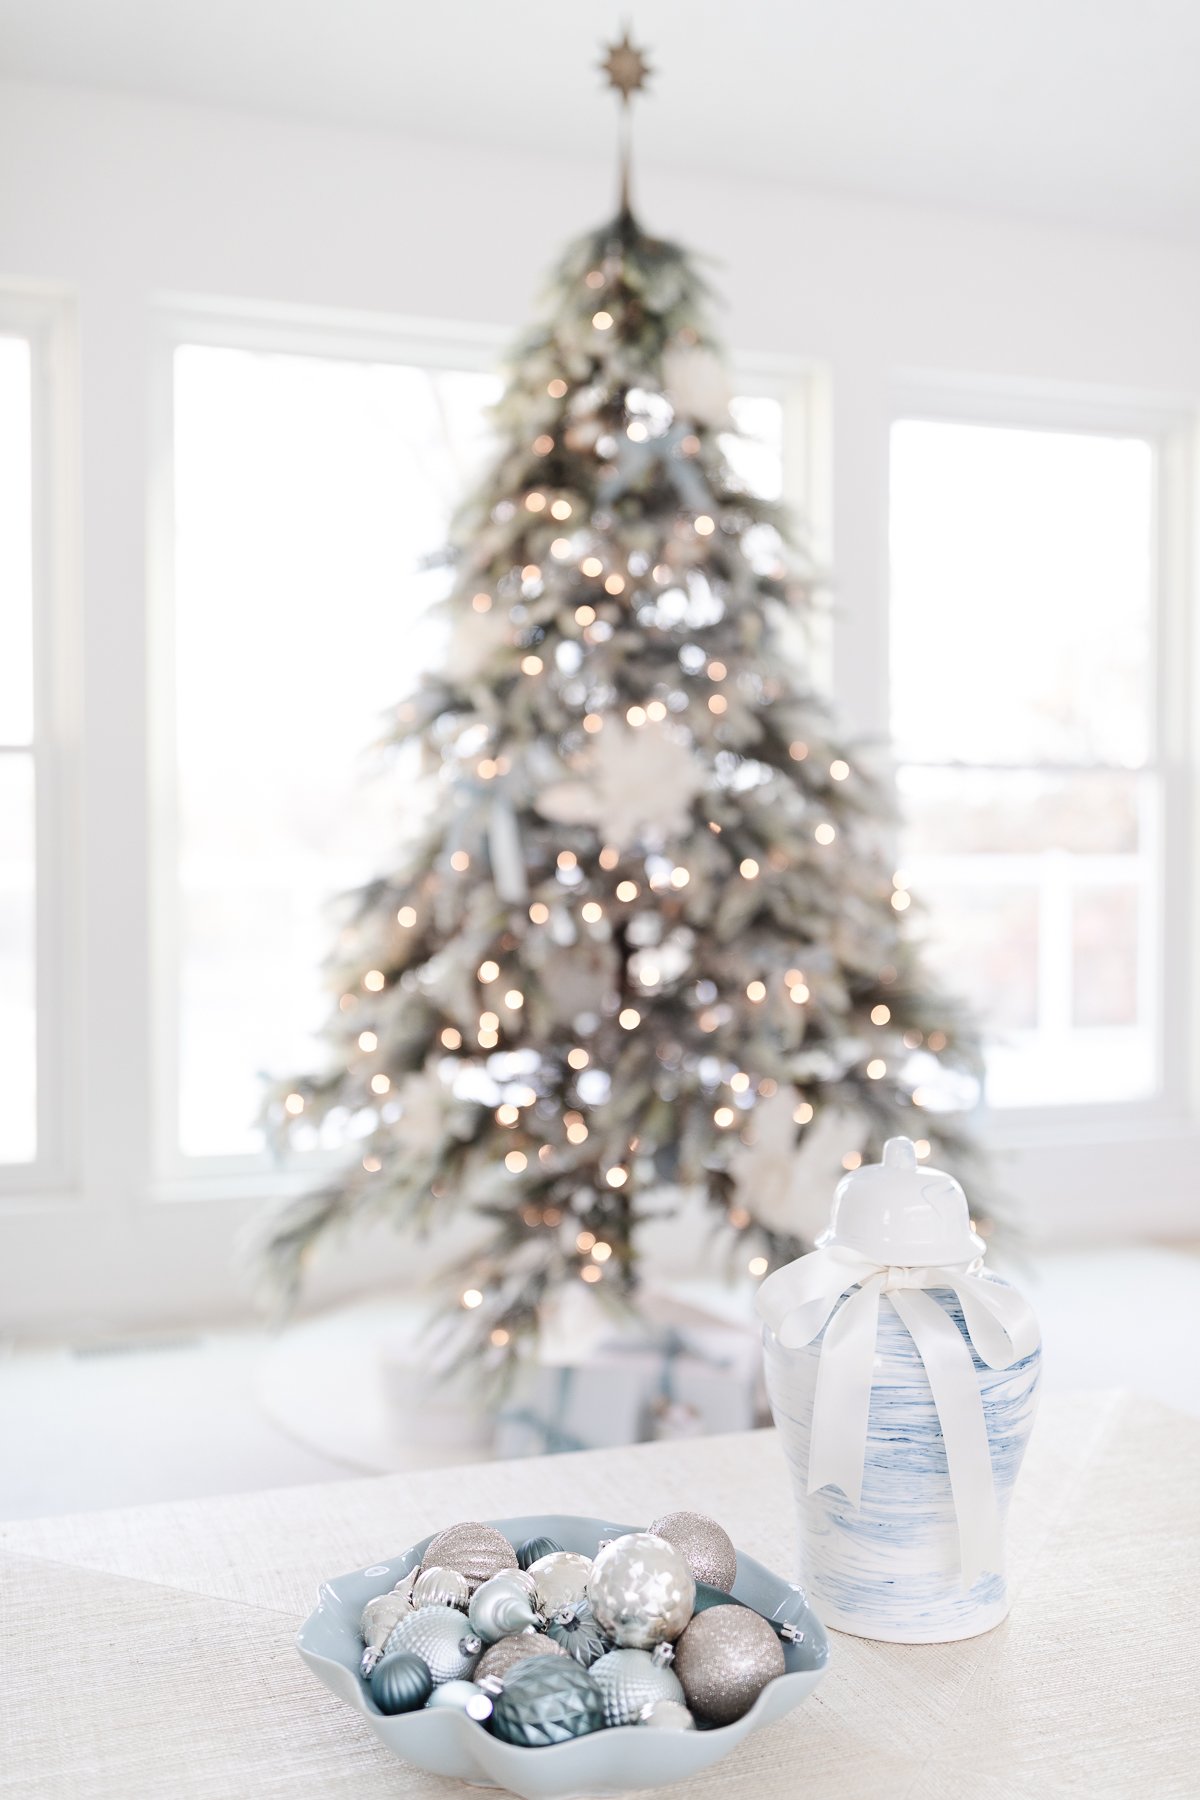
(605, 1763)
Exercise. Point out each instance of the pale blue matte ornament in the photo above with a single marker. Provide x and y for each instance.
(547, 1700)
(401, 1683)
(533, 1548)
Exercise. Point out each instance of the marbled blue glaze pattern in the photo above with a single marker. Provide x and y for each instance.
(891, 1569)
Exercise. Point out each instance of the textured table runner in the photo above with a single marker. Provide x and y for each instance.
(148, 1652)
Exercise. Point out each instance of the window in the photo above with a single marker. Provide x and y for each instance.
(18, 837)
(310, 493)
(1023, 602)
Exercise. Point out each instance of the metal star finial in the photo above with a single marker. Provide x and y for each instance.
(626, 68)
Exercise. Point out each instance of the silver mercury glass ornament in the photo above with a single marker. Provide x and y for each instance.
(441, 1587)
(476, 1550)
(560, 1579)
(443, 1640)
(708, 1548)
(641, 1591)
(502, 1606)
(633, 1680)
(462, 1696)
(380, 1617)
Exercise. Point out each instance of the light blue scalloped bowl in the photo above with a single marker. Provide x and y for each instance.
(603, 1764)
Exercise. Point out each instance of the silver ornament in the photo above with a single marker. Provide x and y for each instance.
(578, 1633)
(665, 1715)
(548, 1700)
(641, 1590)
(560, 1579)
(443, 1640)
(400, 1683)
(632, 1681)
(380, 1617)
(725, 1659)
(477, 1551)
(499, 1658)
(709, 1550)
(441, 1587)
(462, 1696)
(502, 1606)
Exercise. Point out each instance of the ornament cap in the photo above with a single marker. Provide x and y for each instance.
(900, 1212)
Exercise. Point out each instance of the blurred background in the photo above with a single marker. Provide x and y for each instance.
(258, 264)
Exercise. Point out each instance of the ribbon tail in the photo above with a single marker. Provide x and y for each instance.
(842, 1400)
(951, 1373)
(1000, 1322)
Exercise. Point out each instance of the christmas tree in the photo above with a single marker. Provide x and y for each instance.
(647, 940)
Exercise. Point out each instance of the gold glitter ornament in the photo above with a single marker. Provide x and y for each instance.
(476, 1550)
(709, 1549)
(725, 1659)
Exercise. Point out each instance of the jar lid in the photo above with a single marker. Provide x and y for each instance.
(897, 1211)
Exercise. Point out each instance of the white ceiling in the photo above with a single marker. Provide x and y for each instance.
(1077, 111)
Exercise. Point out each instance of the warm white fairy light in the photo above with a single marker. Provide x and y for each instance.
(535, 502)
(481, 602)
(690, 445)
(708, 1020)
(798, 750)
(593, 722)
(591, 566)
(627, 890)
(592, 912)
(756, 991)
(578, 1058)
(852, 1160)
(471, 1298)
(451, 1038)
(767, 1087)
(838, 769)
(937, 1041)
(680, 877)
(717, 703)
(374, 980)
(757, 1265)
(489, 1021)
(532, 665)
(498, 1337)
(913, 1040)
(367, 1040)
(380, 1084)
(656, 710)
(617, 1176)
(717, 671)
(584, 1242)
(825, 832)
(567, 859)
(348, 1002)
(649, 974)
(601, 1252)
(585, 615)
(577, 1132)
(294, 1104)
(560, 509)
(487, 1040)
(460, 862)
(922, 1096)
(407, 916)
(609, 856)
(748, 868)
(901, 901)
(629, 1018)
(531, 572)
(556, 388)
(636, 716)
(590, 1273)
(798, 993)
(539, 912)
(560, 549)
(488, 970)
(803, 1113)
(739, 1081)
(877, 1068)
(514, 999)
(614, 583)
(372, 1164)
(544, 444)
(515, 1161)
(602, 320)
(922, 1146)
(880, 1014)
(485, 768)
(704, 526)
(637, 431)
(724, 1117)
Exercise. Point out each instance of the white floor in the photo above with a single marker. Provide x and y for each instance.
(86, 1427)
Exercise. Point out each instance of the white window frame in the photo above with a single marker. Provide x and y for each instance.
(45, 318)
(1171, 428)
(797, 384)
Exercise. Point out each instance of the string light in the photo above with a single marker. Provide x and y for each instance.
(514, 999)
(567, 859)
(690, 445)
(481, 602)
(793, 976)
(488, 971)
(798, 993)
(717, 703)
(348, 1002)
(825, 833)
(594, 278)
(629, 1018)
(578, 1058)
(372, 1164)
(748, 868)
(656, 711)
(704, 526)
(584, 1242)
(880, 1014)
(798, 751)
(499, 1337)
(488, 1040)
(531, 572)
(590, 1273)
(561, 549)
(407, 916)
(294, 1104)
(739, 1081)
(532, 665)
(901, 901)
(617, 1176)
(380, 1084)
(452, 1038)
(367, 1040)
(876, 1068)
(544, 444)
(636, 431)
(757, 1265)
(539, 912)
(768, 1087)
(852, 1160)
(592, 722)
(922, 1096)
(717, 671)
(591, 566)
(937, 1041)
(756, 991)
(601, 1252)
(585, 615)
(472, 1298)
(556, 388)
(627, 890)
(515, 1161)
(374, 980)
(460, 862)
(614, 583)
(545, 1152)
(560, 509)
(602, 320)
(485, 768)
(636, 716)
(803, 1113)
(913, 1040)
(592, 912)
(609, 857)
(680, 877)
(537, 502)
(708, 1021)
(724, 1117)
(577, 1133)
(838, 769)
(489, 1021)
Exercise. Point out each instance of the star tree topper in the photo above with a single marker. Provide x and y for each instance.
(628, 72)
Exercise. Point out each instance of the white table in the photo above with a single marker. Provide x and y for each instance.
(148, 1652)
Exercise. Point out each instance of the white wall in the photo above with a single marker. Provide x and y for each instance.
(120, 201)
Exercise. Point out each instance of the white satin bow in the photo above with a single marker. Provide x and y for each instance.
(797, 1301)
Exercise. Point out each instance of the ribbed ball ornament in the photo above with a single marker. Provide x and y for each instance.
(441, 1587)
(547, 1701)
(476, 1550)
(502, 1606)
(442, 1638)
(401, 1683)
(641, 1590)
(708, 1548)
(380, 1617)
(578, 1633)
(560, 1579)
(533, 1549)
(725, 1659)
(631, 1681)
(498, 1659)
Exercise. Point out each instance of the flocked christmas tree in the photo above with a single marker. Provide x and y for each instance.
(648, 940)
